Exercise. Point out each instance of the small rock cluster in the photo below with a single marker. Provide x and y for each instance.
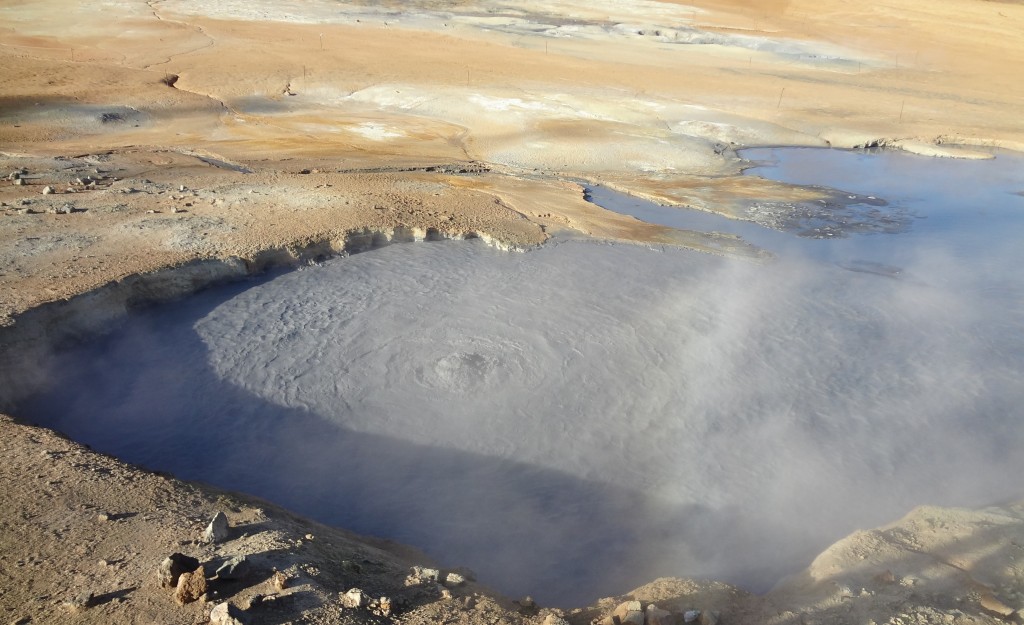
(633, 613)
(187, 576)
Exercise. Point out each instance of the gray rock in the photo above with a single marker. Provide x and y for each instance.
(454, 580)
(238, 567)
(354, 598)
(227, 614)
(690, 616)
(709, 617)
(172, 567)
(528, 607)
(657, 616)
(420, 575)
(47, 190)
(554, 619)
(630, 612)
(80, 602)
(19, 182)
(217, 530)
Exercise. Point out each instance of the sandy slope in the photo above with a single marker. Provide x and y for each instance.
(432, 119)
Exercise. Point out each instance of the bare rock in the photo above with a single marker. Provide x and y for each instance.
(630, 612)
(657, 616)
(236, 568)
(173, 567)
(47, 190)
(354, 598)
(80, 602)
(227, 614)
(279, 580)
(217, 530)
(191, 586)
(420, 575)
(709, 617)
(529, 607)
(994, 605)
(454, 580)
(554, 619)
(691, 616)
(19, 182)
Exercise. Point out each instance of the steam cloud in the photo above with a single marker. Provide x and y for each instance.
(577, 420)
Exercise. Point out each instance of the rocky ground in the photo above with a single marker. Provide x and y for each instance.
(149, 149)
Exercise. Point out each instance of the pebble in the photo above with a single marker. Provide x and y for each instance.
(47, 190)
(19, 182)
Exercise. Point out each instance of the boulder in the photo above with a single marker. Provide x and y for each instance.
(80, 602)
(420, 575)
(238, 567)
(657, 616)
(708, 617)
(630, 612)
(191, 586)
(217, 530)
(353, 598)
(172, 567)
(227, 614)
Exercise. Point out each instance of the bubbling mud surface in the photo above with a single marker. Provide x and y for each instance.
(578, 419)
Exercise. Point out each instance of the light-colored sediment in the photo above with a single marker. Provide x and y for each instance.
(442, 120)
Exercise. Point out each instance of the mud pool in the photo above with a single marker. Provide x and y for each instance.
(577, 420)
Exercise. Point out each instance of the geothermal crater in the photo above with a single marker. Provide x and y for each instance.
(582, 417)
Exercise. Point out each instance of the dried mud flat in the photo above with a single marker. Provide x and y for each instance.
(157, 148)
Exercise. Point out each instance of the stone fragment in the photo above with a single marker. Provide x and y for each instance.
(419, 575)
(454, 580)
(554, 619)
(217, 530)
(103, 517)
(353, 598)
(47, 190)
(191, 586)
(657, 616)
(527, 606)
(279, 580)
(709, 617)
(384, 606)
(19, 182)
(227, 614)
(172, 567)
(629, 612)
(80, 602)
(690, 616)
(238, 567)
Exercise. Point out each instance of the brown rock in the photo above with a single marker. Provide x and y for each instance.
(191, 586)
(172, 567)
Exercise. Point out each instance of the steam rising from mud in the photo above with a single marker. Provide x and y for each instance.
(574, 421)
